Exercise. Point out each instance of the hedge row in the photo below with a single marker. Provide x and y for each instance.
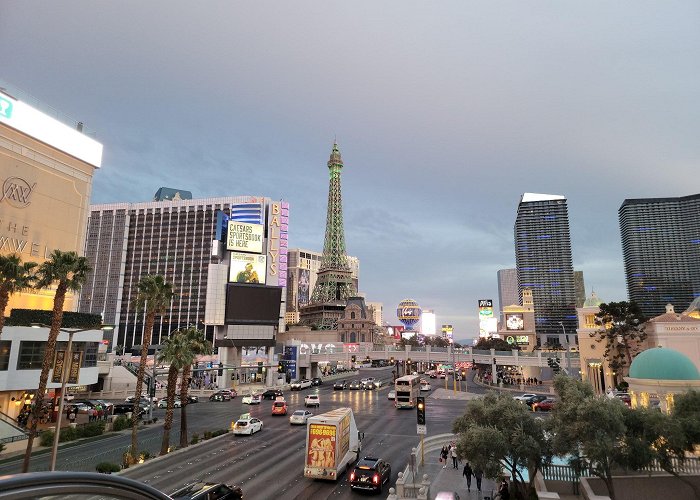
(90, 429)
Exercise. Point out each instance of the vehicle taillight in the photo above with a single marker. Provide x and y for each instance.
(352, 476)
(375, 479)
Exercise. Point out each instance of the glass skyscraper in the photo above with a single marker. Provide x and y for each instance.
(545, 265)
(661, 249)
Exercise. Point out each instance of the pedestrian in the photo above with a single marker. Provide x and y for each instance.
(467, 472)
(71, 416)
(453, 453)
(443, 456)
(100, 413)
(503, 492)
(477, 475)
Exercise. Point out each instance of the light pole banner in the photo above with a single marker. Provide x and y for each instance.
(74, 370)
(58, 366)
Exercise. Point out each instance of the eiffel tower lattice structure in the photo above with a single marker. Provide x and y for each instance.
(334, 284)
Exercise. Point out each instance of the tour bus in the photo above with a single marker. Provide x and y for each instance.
(407, 389)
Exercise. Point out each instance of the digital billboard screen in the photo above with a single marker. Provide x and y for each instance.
(244, 237)
(251, 304)
(247, 268)
(515, 321)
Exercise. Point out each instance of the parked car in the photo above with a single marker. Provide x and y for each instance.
(163, 403)
(546, 405)
(207, 491)
(299, 417)
(124, 408)
(316, 381)
(340, 385)
(252, 399)
(272, 394)
(312, 400)
(370, 474)
(279, 407)
(249, 425)
(355, 385)
(391, 395)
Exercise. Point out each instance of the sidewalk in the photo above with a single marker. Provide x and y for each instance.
(451, 479)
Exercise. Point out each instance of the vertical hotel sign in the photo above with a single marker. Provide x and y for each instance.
(277, 230)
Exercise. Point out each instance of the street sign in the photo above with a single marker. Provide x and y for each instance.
(58, 366)
(422, 429)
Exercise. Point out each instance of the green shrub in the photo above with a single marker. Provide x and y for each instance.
(195, 439)
(219, 432)
(107, 467)
(91, 429)
(46, 438)
(68, 434)
(145, 455)
(120, 423)
(207, 435)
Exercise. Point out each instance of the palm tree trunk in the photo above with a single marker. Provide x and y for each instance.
(147, 332)
(46, 365)
(170, 408)
(184, 388)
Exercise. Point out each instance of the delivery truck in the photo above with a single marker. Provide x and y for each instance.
(333, 443)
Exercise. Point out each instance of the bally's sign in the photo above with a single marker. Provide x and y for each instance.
(244, 237)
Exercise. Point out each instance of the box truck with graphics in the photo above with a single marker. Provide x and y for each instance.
(332, 444)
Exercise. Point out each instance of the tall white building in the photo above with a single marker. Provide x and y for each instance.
(302, 269)
(377, 311)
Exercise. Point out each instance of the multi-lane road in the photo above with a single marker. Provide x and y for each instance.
(269, 463)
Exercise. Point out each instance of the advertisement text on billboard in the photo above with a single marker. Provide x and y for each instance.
(244, 237)
(321, 451)
(247, 268)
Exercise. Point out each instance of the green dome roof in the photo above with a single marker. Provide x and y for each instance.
(592, 301)
(661, 363)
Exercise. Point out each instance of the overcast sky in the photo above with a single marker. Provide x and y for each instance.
(445, 113)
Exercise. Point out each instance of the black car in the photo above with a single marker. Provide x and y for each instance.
(370, 474)
(219, 396)
(124, 408)
(355, 385)
(535, 399)
(205, 491)
(190, 398)
(340, 385)
(316, 381)
(272, 394)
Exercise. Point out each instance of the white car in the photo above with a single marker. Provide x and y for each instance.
(312, 400)
(425, 387)
(247, 426)
(524, 397)
(391, 395)
(299, 417)
(163, 403)
(252, 399)
(298, 385)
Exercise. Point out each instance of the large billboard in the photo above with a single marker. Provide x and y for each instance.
(303, 287)
(515, 321)
(244, 237)
(249, 304)
(427, 323)
(321, 450)
(487, 323)
(247, 268)
(447, 331)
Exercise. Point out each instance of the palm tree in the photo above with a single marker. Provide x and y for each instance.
(68, 272)
(15, 276)
(177, 354)
(153, 296)
(198, 345)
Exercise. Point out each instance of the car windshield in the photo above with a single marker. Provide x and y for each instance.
(299, 413)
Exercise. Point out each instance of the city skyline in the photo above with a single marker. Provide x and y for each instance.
(445, 115)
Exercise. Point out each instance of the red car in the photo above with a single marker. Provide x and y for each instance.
(546, 405)
(279, 408)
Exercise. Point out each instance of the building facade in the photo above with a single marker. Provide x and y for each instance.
(302, 272)
(179, 239)
(661, 250)
(46, 171)
(508, 292)
(545, 265)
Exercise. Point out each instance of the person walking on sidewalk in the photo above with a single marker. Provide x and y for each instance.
(467, 472)
(503, 492)
(477, 475)
(453, 454)
(443, 456)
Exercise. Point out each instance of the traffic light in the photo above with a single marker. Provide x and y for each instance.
(353, 358)
(280, 367)
(221, 369)
(392, 360)
(260, 367)
(420, 410)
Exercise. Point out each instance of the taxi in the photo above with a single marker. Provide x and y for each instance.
(279, 407)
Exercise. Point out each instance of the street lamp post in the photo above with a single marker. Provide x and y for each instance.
(64, 380)
(566, 353)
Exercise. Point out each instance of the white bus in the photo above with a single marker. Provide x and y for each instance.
(407, 389)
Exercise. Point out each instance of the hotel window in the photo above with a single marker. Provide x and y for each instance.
(31, 355)
(5, 354)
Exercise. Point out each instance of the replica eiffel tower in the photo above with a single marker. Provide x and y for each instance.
(334, 284)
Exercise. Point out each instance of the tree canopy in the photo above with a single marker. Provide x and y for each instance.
(621, 331)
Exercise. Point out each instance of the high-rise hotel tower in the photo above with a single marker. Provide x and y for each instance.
(544, 263)
(661, 249)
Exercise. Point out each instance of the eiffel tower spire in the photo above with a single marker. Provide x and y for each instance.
(334, 283)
